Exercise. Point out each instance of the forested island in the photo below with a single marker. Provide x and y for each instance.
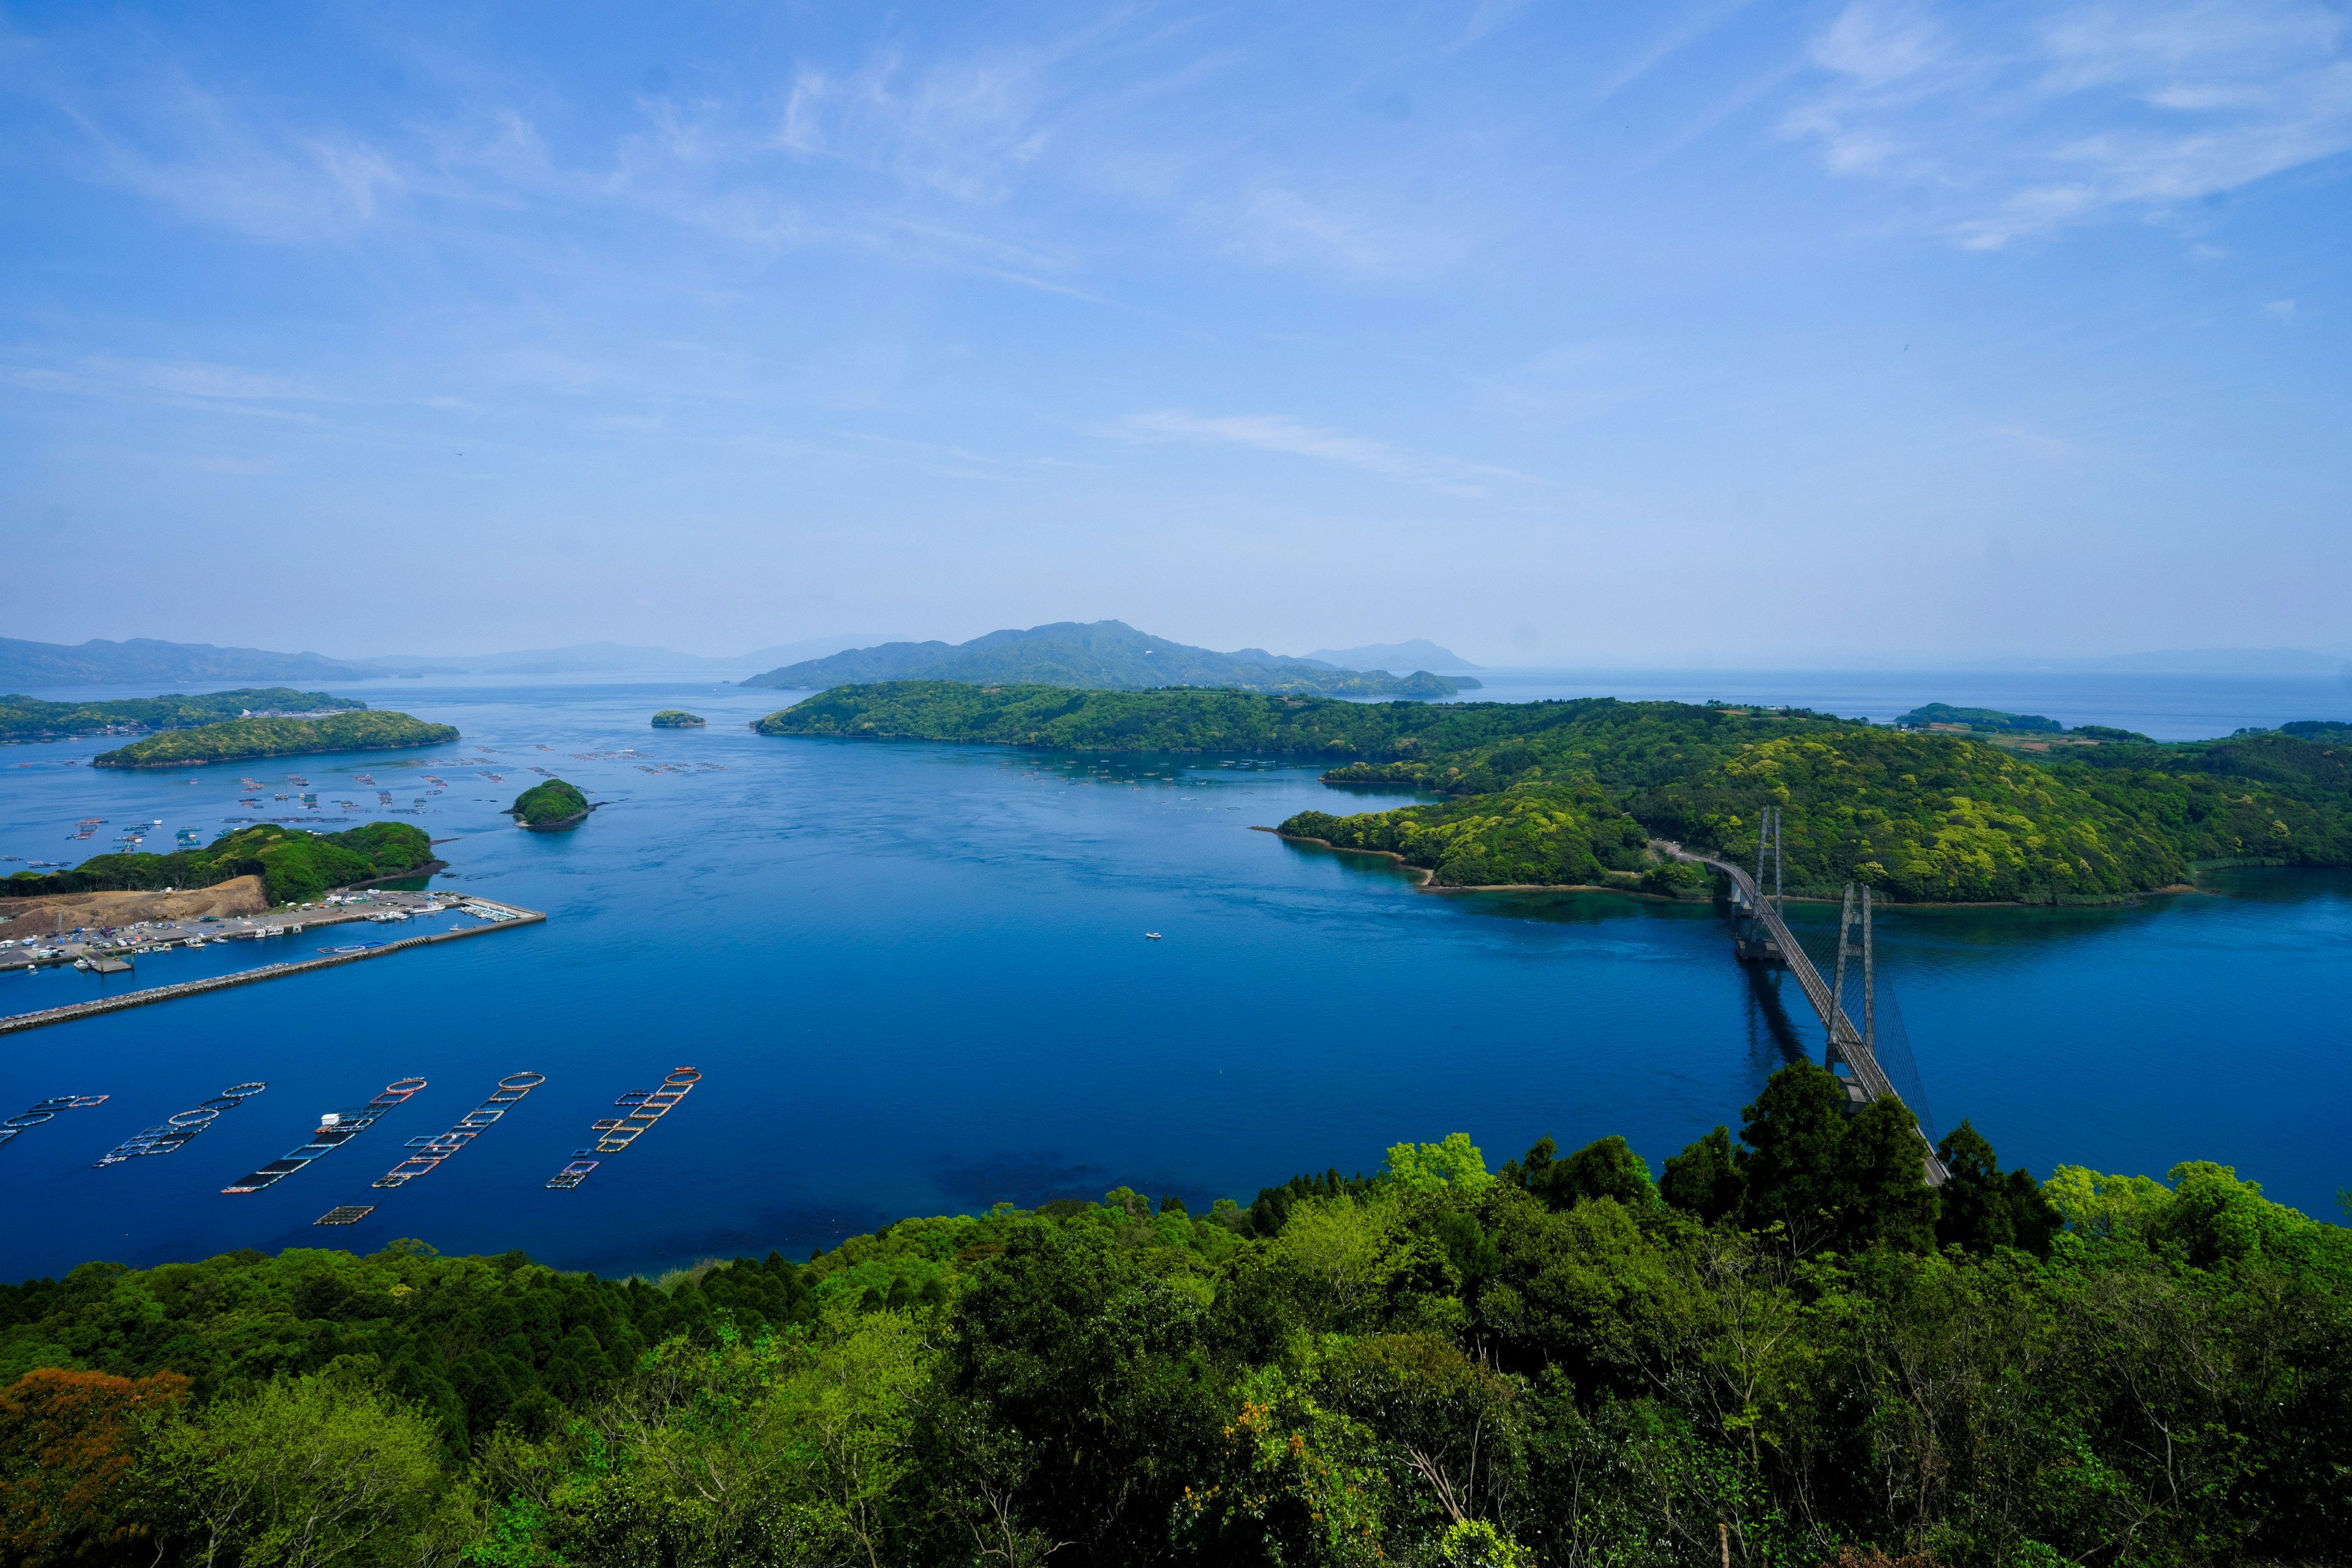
(30, 719)
(1920, 816)
(1786, 1350)
(552, 804)
(679, 718)
(293, 865)
(241, 740)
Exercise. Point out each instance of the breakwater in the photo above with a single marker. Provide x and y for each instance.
(500, 916)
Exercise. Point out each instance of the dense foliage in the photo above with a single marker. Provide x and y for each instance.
(1107, 654)
(1925, 816)
(677, 719)
(30, 719)
(293, 865)
(1790, 1351)
(239, 739)
(1530, 835)
(546, 805)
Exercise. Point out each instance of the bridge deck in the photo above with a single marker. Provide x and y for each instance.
(1846, 1042)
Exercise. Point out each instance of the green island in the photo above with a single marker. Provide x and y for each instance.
(1567, 787)
(240, 740)
(678, 718)
(554, 803)
(293, 865)
(1784, 1349)
(30, 719)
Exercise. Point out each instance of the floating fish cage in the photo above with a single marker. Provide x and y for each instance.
(615, 1133)
(178, 1130)
(336, 1128)
(46, 1110)
(428, 1153)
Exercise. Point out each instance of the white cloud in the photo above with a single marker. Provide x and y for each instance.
(2283, 309)
(2093, 109)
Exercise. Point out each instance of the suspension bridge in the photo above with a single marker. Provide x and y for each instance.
(1759, 935)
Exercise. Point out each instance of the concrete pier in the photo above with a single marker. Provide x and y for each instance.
(496, 916)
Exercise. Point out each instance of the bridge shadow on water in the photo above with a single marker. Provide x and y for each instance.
(1773, 1040)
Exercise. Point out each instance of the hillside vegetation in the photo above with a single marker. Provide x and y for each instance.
(1923, 816)
(30, 719)
(544, 804)
(1786, 1350)
(292, 863)
(1106, 654)
(241, 738)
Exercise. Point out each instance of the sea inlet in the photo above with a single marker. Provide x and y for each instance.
(914, 978)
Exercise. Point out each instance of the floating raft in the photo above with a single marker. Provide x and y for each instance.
(336, 1128)
(614, 1134)
(430, 1152)
(46, 1110)
(178, 1130)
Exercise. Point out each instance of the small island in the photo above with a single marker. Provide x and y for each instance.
(241, 740)
(550, 807)
(679, 718)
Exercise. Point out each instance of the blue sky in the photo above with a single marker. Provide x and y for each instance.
(1714, 332)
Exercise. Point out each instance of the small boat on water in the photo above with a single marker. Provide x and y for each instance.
(1151, 936)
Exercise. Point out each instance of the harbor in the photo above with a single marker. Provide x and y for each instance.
(492, 914)
(111, 949)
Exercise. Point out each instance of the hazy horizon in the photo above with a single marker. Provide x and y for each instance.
(1719, 336)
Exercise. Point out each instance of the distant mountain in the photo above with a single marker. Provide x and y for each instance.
(145, 661)
(1104, 655)
(1418, 654)
(812, 647)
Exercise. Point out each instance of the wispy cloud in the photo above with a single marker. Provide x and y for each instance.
(1274, 433)
(2089, 108)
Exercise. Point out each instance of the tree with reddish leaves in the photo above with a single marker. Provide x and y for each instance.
(69, 1444)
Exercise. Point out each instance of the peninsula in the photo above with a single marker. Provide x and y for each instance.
(30, 719)
(1546, 793)
(239, 740)
(292, 864)
(543, 808)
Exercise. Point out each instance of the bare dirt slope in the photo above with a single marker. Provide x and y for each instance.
(237, 896)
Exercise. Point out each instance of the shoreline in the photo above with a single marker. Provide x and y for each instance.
(265, 756)
(1425, 875)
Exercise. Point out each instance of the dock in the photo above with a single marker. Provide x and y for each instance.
(495, 917)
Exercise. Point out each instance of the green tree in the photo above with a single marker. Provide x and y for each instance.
(1705, 1179)
(303, 1472)
(1982, 1207)
(1456, 1161)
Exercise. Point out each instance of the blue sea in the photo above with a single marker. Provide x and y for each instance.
(916, 980)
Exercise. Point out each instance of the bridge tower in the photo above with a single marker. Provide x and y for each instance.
(1751, 935)
(1834, 1058)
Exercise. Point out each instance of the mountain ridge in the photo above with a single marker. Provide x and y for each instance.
(1101, 655)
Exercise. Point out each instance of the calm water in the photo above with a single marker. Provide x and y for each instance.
(916, 979)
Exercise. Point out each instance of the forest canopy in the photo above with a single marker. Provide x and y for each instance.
(1785, 1348)
(546, 805)
(240, 739)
